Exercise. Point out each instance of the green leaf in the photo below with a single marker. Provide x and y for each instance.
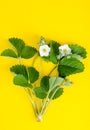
(21, 81)
(53, 57)
(33, 74)
(45, 83)
(28, 52)
(55, 81)
(40, 92)
(18, 44)
(69, 66)
(79, 50)
(19, 69)
(58, 93)
(55, 46)
(9, 53)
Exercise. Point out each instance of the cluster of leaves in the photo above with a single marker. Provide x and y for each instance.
(27, 76)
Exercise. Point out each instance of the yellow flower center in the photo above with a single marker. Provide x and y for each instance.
(65, 50)
(44, 50)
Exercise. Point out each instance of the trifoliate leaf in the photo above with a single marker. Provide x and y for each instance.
(54, 82)
(9, 53)
(69, 66)
(18, 44)
(42, 41)
(79, 50)
(45, 83)
(21, 81)
(58, 93)
(19, 69)
(53, 56)
(40, 92)
(33, 74)
(28, 52)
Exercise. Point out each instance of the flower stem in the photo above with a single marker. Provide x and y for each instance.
(52, 70)
(34, 60)
(46, 99)
(31, 100)
(48, 103)
(40, 68)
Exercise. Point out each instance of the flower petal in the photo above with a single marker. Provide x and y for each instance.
(44, 50)
(65, 50)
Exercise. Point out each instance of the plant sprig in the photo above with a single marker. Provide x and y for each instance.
(66, 59)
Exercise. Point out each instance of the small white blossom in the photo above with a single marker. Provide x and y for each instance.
(44, 50)
(65, 50)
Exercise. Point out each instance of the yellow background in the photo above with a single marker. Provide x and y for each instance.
(67, 21)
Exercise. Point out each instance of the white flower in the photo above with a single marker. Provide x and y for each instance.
(44, 50)
(65, 50)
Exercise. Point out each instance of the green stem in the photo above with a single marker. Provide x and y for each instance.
(40, 68)
(52, 70)
(32, 102)
(48, 103)
(34, 60)
(46, 99)
(44, 106)
(35, 106)
(19, 59)
(36, 103)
